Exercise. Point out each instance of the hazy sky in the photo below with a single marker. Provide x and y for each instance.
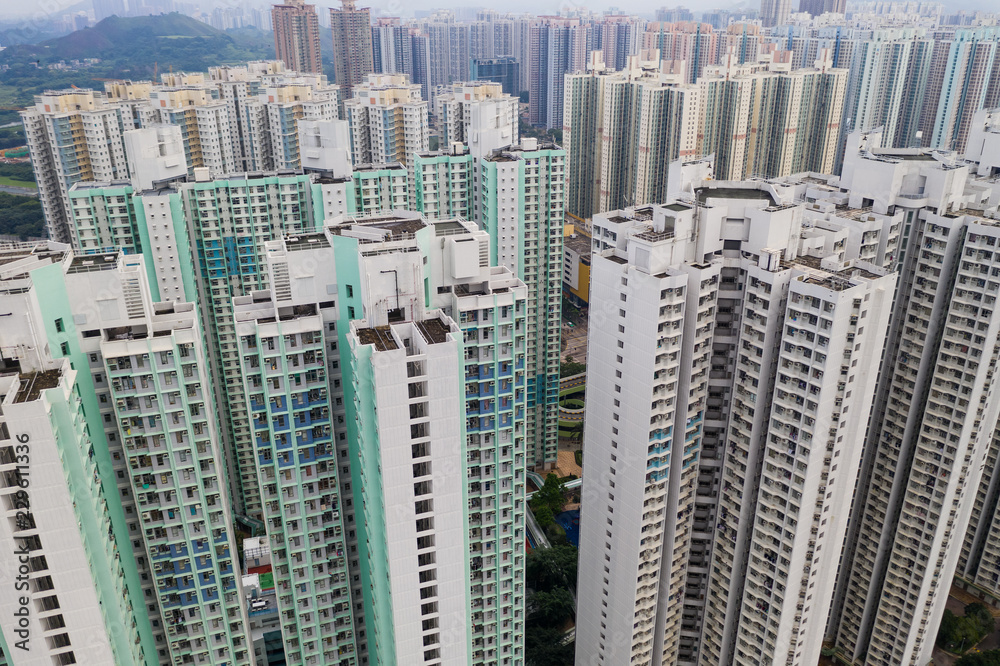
(12, 9)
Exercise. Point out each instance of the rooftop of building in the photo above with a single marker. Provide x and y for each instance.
(705, 193)
(908, 155)
(306, 242)
(379, 166)
(87, 263)
(527, 145)
(632, 214)
(9, 253)
(379, 336)
(32, 384)
(578, 243)
(434, 331)
(449, 228)
(98, 185)
(395, 226)
(654, 236)
(831, 279)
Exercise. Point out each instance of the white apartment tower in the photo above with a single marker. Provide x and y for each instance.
(721, 296)
(473, 106)
(933, 423)
(388, 120)
(73, 136)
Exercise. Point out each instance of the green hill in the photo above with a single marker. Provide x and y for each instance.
(179, 39)
(128, 48)
(114, 36)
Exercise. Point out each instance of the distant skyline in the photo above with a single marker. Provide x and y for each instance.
(18, 11)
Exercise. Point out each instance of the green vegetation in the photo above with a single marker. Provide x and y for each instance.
(569, 367)
(21, 216)
(960, 632)
(554, 135)
(7, 181)
(20, 171)
(128, 48)
(549, 568)
(548, 501)
(11, 137)
(544, 647)
(17, 175)
(578, 455)
(551, 575)
(988, 658)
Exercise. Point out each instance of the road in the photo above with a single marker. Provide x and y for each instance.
(575, 341)
(23, 191)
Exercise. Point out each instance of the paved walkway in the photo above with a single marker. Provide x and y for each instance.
(566, 465)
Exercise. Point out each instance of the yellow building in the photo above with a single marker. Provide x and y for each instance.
(576, 263)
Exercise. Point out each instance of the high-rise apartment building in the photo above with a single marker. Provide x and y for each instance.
(619, 37)
(522, 207)
(388, 120)
(963, 69)
(296, 36)
(921, 86)
(978, 570)
(471, 106)
(504, 70)
(73, 598)
(151, 497)
(623, 129)
(620, 129)
(516, 193)
(774, 12)
(287, 356)
(157, 372)
(718, 297)
(820, 7)
(233, 119)
(279, 109)
(402, 49)
(352, 45)
(761, 121)
(558, 46)
(73, 136)
(67, 595)
(431, 488)
(443, 184)
(932, 427)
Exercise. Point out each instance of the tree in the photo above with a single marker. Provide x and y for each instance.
(982, 617)
(988, 658)
(548, 568)
(960, 632)
(570, 367)
(550, 495)
(550, 609)
(544, 646)
(21, 216)
(544, 517)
